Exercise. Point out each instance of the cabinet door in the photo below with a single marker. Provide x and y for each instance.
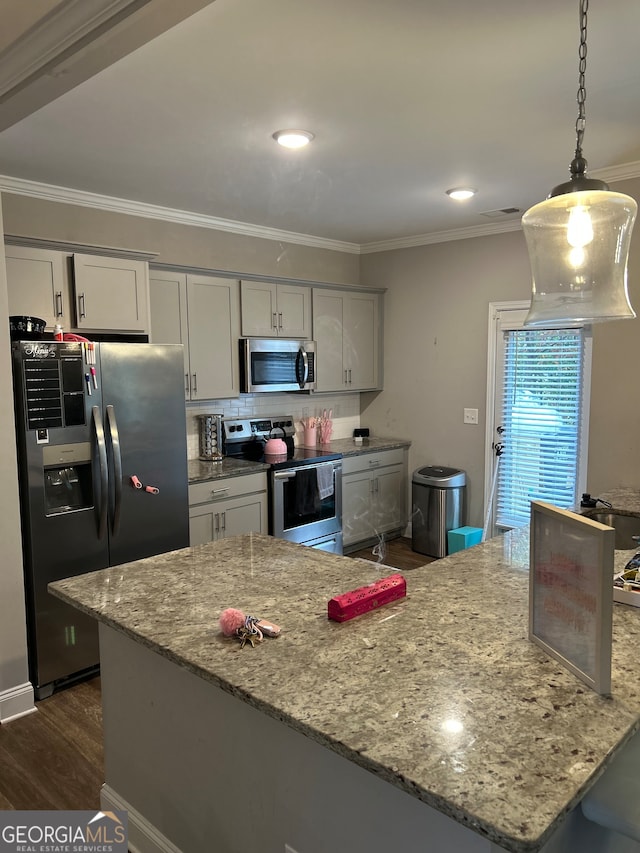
(202, 524)
(389, 495)
(111, 293)
(328, 323)
(168, 312)
(38, 285)
(214, 326)
(244, 515)
(357, 496)
(361, 336)
(293, 311)
(258, 308)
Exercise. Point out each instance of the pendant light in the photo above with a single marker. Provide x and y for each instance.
(578, 239)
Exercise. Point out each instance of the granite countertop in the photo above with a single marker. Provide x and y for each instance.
(440, 693)
(347, 447)
(624, 500)
(199, 471)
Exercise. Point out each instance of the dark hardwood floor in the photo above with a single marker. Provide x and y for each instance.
(53, 759)
(397, 554)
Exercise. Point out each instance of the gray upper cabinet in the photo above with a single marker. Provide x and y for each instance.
(38, 285)
(271, 310)
(346, 328)
(111, 293)
(168, 311)
(201, 312)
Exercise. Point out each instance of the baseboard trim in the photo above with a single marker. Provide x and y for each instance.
(16, 702)
(143, 836)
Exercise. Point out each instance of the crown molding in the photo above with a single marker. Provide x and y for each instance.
(623, 172)
(440, 237)
(67, 195)
(56, 36)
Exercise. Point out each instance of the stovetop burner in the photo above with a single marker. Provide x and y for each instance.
(245, 438)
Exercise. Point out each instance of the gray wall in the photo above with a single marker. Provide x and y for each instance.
(436, 321)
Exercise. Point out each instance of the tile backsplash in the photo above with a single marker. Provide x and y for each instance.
(346, 412)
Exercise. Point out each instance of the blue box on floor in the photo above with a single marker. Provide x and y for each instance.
(463, 537)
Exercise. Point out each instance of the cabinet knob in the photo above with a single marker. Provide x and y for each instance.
(81, 305)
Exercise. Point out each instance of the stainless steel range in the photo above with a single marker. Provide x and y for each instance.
(305, 486)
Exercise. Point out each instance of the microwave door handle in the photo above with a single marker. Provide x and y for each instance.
(117, 467)
(304, 358)
(102, 463)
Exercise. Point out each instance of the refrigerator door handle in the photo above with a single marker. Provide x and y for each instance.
(102, 461)
(117, 467)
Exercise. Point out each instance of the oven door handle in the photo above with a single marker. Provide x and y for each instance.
(284, 475)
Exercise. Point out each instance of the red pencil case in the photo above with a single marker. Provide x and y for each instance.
(358, 601)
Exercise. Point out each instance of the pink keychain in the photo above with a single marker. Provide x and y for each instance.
(248, 629)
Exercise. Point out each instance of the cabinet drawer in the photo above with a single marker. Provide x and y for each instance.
(227, 487)
(371, 461)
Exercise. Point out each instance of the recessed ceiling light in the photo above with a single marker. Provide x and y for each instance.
(293, 138)
(461, 193)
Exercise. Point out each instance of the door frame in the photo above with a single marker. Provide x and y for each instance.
(502, 317)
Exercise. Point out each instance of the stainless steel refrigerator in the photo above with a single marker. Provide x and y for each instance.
(101, 434)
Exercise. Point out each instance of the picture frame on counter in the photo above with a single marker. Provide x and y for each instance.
(570, 592)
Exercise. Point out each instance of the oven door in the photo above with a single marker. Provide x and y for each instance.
(305, 505)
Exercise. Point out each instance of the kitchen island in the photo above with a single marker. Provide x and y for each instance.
(430, 724)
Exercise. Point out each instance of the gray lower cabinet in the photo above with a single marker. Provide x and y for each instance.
(374, 496)
(227, 507)
(202, 313)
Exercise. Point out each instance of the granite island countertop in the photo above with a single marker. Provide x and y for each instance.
(440, 693)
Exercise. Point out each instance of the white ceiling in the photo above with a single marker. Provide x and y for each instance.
(406, 97)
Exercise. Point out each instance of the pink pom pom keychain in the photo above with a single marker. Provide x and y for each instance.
(247, 629)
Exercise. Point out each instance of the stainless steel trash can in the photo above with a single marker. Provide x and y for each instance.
(439, 505)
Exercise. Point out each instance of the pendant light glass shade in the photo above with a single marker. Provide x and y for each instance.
(579, 238)
(578, 246)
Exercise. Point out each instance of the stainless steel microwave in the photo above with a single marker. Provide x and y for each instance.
(275, 364)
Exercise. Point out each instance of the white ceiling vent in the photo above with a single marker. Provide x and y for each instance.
(502, 213)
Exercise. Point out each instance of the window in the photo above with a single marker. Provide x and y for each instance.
(540, 395)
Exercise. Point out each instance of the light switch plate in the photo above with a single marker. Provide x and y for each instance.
(470, 416)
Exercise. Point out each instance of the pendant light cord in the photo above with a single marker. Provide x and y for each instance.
(582, 67)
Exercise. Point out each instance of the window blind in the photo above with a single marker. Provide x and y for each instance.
(541, 416)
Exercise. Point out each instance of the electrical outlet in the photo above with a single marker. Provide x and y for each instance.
(470, 416)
